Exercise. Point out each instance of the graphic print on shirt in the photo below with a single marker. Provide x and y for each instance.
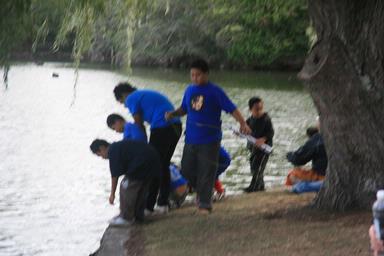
(197, 102)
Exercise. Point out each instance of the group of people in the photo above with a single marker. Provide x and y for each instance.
(149, 176)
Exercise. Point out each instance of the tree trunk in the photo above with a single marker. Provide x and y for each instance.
(345, 77)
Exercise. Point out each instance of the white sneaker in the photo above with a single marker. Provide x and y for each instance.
(120, 222)
(147, 212)
(161, 210)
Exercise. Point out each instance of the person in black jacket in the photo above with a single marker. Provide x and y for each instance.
(313, 150)
(140, 163)
(262, 129)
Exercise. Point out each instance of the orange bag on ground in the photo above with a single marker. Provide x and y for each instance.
(303, 175)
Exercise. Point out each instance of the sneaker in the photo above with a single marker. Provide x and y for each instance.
(161, 210)
(220, 196)
(120, 222)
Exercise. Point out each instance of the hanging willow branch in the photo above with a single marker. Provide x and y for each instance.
(81, 23)
(5, 75)
(81, 19)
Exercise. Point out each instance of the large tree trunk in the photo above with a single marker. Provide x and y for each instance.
(345, 76)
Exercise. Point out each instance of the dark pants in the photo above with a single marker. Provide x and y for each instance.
(164, 140)
(258, 161)
(199, 165)
(133, 194)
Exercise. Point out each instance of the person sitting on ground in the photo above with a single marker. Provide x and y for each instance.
(179, 186)
(306, 180)
(203, 103)
(150, 106)
(140, 164)
(262, 130)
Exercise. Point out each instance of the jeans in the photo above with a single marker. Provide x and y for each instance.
(199, 166)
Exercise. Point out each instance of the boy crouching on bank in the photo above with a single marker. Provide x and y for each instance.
(139, 163)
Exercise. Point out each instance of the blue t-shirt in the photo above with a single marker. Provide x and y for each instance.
(133, 132)
(203, 105)
(152, 106)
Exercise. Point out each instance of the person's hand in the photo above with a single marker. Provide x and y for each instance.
(260, 142)
(376, 244)
(168, 115)
(244, 128)
(111, 198)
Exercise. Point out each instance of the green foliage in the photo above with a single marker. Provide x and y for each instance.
(175, 30)
(244, 32)
(14, 26)
(262, 31)
(239, 32)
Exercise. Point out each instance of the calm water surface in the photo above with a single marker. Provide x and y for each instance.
(54, 192)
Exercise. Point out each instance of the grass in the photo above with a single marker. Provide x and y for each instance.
(268, 223)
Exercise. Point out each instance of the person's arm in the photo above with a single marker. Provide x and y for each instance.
(176, 113)
(302, 155)
(140, 122)
(114, 181)
(244, 128)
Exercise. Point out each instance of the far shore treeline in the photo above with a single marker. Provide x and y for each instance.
(232, 34)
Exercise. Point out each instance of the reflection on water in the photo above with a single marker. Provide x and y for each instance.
(54, 192)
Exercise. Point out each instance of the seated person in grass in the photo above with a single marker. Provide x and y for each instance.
(306, 180)
(179, 186)
(140, 164)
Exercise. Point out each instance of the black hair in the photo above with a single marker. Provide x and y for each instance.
(312, 131)
(96, 144)
(200, 64)
(122, 88)
(112, 118)
(254, 100)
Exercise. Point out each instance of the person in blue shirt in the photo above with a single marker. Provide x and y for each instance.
(139, 163)
(179, 186)
(130, 131)
(224, 162)
(203, 102)
(150, 106)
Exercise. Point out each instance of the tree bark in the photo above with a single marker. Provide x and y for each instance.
(345, 77)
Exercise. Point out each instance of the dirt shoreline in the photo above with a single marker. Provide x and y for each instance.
(268, 223)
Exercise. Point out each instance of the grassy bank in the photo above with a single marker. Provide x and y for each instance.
(270, 223)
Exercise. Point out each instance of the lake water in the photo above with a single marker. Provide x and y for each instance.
(54, 192)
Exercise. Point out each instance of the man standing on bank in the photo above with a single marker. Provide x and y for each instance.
(203, 103)
(150, 106)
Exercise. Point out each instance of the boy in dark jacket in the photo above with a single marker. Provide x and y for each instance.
(140, 164)
(262, 129)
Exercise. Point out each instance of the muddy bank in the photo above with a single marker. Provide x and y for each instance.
(267, 223)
